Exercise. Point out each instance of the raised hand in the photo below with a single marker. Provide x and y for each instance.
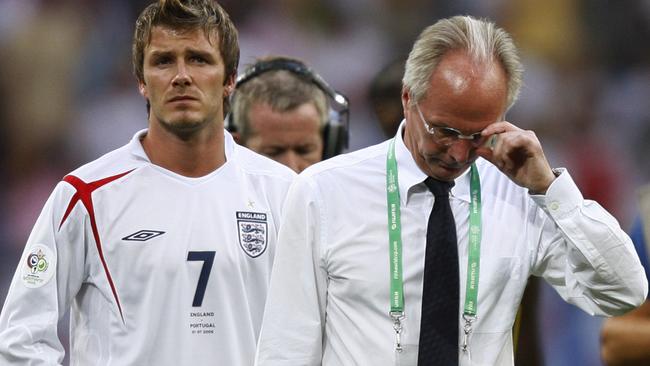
(519, 155)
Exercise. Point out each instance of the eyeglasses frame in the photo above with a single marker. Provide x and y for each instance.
(454, 134)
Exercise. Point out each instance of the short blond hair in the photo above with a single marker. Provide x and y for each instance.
(483, 41)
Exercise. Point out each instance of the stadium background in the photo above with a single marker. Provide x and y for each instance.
(67, 96)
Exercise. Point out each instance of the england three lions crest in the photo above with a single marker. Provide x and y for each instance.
(253, 233)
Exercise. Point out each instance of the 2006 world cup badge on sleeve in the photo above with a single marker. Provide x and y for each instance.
(38, 267)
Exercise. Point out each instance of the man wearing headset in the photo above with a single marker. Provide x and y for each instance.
(280, 109)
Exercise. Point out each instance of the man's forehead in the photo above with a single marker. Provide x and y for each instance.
(460, 71)
(170, 32)
(462, 79)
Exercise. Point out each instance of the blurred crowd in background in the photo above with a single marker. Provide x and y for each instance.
(67, 96)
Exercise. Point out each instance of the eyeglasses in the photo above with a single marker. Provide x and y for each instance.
(448, 136)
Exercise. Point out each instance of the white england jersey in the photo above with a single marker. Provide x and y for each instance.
(157, 268)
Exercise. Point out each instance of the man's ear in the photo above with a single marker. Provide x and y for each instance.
(406, 98)
(237, 137)
(229, 86)
(142, 88)
(227, 90)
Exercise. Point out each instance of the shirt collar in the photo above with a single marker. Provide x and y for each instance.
(136, 145)
(411, 178)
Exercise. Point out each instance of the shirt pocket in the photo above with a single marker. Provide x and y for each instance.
(501, 285)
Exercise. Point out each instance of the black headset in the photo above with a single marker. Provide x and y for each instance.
(336, 129)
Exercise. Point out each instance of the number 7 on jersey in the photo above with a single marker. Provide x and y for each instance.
(208, 258)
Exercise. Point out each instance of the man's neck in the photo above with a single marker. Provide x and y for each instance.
(193, 155)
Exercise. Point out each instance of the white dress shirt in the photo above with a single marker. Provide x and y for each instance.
(329, 297)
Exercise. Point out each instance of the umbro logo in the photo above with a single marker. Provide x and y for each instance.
(143, 235)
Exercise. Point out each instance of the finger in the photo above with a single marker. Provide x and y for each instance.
(499, 127)
(491, 142)
(486, 150)
(493, 149)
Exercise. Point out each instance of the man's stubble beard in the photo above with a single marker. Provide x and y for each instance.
(185, 129)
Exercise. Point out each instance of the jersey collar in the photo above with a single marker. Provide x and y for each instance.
(138, 150)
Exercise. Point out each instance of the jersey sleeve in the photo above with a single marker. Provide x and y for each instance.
(49, 274)
(585, 255)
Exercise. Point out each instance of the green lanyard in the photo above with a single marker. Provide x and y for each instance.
(395, 249)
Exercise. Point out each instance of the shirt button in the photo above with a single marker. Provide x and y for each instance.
(554, 205)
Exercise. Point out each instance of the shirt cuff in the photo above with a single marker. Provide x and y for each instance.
(562, 196)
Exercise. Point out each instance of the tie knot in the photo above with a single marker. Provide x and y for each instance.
(438, 187)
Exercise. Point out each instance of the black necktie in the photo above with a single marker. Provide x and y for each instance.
(440, 291)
